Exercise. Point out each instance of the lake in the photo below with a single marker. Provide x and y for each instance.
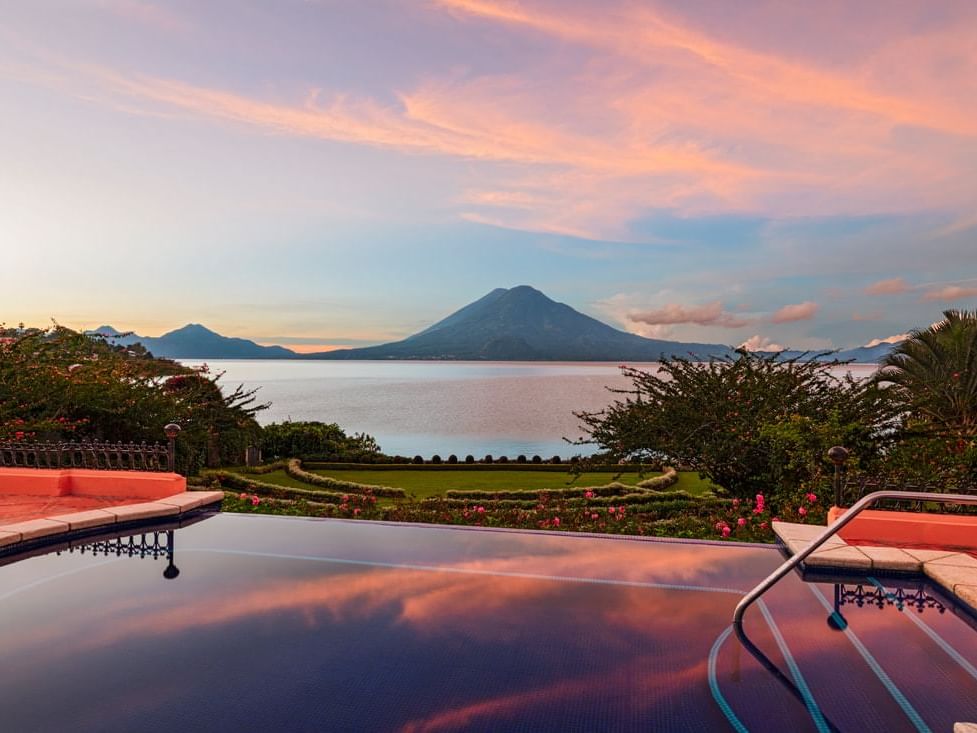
(428, 407)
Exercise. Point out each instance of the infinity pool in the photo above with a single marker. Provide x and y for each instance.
(299, 624)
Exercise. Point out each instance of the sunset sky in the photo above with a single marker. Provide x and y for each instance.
(316, 173)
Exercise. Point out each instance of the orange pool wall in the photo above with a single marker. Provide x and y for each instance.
(908, 529)
(84, 482)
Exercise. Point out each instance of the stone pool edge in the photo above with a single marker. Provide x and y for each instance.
(955, 572)
(15, 534)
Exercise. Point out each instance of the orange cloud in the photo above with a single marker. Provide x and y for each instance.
(795, 312)
(894, 286)
(644, 108)
(950, 292)
(710, 314)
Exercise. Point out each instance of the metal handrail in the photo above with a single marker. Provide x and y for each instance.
(833, 529)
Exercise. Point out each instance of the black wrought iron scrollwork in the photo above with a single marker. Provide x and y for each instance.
(101, 455)
(901, 598)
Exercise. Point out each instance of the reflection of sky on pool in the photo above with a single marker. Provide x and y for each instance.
(329, 625)
(411, 407)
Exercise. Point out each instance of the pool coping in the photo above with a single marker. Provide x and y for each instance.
(15, 536)
(955, 572)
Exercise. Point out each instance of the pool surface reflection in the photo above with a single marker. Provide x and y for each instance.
(294, 624)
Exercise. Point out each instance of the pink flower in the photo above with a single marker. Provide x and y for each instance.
(610, 510)
(726, 531)
(594, 516)
(356, 511)
(760, 503)
(736, 502)
(556, 521)
(480, 509)
(763, 525)
(345, 498)
(741, 522)
(588, 494)
(811, 498)
(802, 511)
(255, 501)
(719, 526)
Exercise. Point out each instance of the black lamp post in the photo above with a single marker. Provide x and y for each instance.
(172, 430)
(838, 456)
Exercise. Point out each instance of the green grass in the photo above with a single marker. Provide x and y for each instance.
(423, 484)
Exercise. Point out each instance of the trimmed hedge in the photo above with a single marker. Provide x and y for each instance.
(242, 483)
(295, 470)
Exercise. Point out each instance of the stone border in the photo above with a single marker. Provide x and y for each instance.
(60, 524)
(955, 572)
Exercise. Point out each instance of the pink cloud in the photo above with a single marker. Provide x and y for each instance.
(950, 292)
(761, 343)
(710, 314)
(795, 312)
(888, 287)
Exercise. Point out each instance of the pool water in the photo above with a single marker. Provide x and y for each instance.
(298, 624)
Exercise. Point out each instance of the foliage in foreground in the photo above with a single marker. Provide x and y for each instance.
(58, 384)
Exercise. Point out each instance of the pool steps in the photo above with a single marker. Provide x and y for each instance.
(955, 572)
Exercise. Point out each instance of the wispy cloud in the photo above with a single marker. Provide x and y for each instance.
(949, 293)
(795, 312)
(894, 286)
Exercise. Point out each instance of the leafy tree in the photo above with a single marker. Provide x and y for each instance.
(934, 374)
(750, 423)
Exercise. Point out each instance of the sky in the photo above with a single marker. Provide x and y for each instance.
(320, 174)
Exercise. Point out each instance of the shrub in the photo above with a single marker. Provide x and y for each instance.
(487, 459)
(537, 459)
(556, 459)
(418, 460)
(520, 458)
(751, 424)
(325, 441)
(435, 458)
(502, 459)
(469, 458)
(452, 459)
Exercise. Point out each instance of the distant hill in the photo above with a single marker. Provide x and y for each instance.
(194, 341)
(522, 324)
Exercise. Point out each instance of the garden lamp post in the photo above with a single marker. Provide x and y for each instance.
(172, 430)
(838, 456)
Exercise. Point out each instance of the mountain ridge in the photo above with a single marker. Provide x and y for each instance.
(506, 324)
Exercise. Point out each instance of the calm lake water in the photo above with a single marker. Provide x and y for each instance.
(412, 407)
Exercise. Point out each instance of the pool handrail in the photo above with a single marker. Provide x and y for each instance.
(833, 529)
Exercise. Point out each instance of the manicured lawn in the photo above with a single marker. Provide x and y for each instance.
(423, 484)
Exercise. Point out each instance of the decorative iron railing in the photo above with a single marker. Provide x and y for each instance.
(149, 545)
(901, 598)
(96, 454)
